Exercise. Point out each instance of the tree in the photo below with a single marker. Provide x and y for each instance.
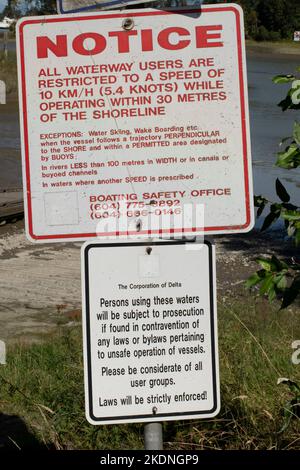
(19, 8)
(41, 7)
(269, 19)
(12, 9)
(278, 16)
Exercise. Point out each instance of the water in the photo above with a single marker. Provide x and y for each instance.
(268, 126)
(10, 159)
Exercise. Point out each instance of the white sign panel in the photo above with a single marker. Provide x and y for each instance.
(77, 6)
(150, 340)
(2, 92)
(135, 123)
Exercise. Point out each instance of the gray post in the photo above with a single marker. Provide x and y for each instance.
(5, 43)
(153, 436)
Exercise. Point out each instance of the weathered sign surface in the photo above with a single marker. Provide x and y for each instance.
(135, 123)
(150, 340)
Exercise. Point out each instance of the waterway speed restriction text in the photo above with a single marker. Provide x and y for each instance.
(135, 124)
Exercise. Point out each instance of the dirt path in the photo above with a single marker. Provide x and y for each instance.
(40, 284)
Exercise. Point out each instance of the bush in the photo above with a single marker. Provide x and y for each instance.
(274, 36)
(262, 34)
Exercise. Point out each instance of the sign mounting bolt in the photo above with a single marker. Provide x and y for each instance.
(128, 24)
(138, 225)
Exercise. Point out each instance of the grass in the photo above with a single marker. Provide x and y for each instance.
(42, 385)
(285, 42)
(285, 46)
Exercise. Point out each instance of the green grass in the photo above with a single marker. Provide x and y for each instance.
(283, 46)
(43, 385)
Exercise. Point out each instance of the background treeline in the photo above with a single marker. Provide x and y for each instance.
(19, 8)
(266, 20)
(269, 20)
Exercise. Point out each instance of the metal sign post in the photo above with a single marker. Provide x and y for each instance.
(153, 436)
(5, 43)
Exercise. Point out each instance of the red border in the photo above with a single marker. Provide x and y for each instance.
(243, 122)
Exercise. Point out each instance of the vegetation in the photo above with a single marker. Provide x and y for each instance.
(274, 20)
(277, 277)
(18, 8)
(265, 20)
(281, 278)
(269, 20)
(43, 385)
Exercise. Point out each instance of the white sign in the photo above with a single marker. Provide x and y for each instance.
(77, 6)
(150, 340)
(135, 124)
(2, 92)
(2, 352)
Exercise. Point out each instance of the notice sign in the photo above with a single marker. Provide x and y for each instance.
(135, 123)
(150, 340)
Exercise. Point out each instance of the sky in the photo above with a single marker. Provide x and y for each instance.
(2, 4)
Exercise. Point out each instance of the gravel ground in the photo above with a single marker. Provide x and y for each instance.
(40, 284)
